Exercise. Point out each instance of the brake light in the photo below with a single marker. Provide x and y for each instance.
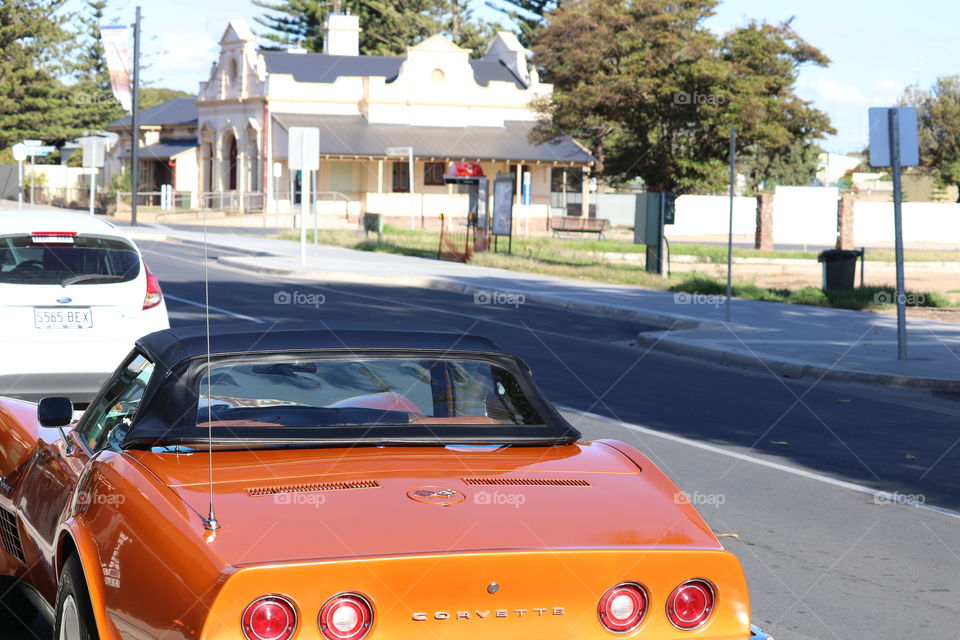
(52, 237)
(347, 616)
(690, 604)
(154, 295)
(623, 607)
(269, 618)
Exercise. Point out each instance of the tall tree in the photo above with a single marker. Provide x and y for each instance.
(627, 75)
(653, 93)
(777, 130)
(389, 26)
(33, 101)
(939, 114)
(528, 15)
(455, 19)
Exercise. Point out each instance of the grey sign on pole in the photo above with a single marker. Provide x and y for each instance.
(94, 150)
(303, 154)
(880, 138)
(304, 149)
(894, 143)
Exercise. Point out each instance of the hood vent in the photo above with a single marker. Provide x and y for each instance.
(313, 486)
(525, 482)
(10, 534)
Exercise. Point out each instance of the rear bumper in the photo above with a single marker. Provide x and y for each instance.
(79, 387)
(31, 370)
(758, 634)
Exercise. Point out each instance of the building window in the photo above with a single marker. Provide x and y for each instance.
(433, 173)
(401, 177)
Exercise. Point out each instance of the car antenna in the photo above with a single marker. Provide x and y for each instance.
(210, 523)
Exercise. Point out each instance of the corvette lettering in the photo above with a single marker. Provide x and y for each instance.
(482, 614)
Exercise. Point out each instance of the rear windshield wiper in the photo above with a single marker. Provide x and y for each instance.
(89, 276)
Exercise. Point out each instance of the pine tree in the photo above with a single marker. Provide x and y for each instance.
(33, 101)
(455, 20)
(92, 93)
(529, 16)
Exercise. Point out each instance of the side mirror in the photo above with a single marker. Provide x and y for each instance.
(55, 411)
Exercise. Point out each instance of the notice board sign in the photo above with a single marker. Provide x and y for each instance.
(503, 204)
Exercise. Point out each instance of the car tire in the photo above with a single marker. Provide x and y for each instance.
(16, 610)
(74, 612)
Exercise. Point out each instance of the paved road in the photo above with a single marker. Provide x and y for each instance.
(765, 459)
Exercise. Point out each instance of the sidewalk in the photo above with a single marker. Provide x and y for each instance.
(788, 340)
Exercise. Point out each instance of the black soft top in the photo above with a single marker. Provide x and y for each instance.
(168, 410)
(171, 346)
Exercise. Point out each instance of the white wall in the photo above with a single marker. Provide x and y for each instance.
(922, 222)
(805, 215)
(60, 176)
(710, 215)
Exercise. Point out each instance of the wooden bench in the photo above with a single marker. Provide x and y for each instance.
(578, 224)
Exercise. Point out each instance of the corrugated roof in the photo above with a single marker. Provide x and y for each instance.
(176, 111)
(354, 136)
(320, 67)
(163, 150)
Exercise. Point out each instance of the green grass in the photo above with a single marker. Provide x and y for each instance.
(864, 299)
(718, 253)
(572, 259)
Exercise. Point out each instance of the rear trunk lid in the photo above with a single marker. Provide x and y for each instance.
(293, 506)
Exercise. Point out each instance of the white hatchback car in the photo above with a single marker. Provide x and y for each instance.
(74, 296)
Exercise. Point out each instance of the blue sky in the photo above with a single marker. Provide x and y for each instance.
(877, 48)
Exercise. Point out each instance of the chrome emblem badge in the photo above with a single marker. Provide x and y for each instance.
(64, 300)
(442, 496)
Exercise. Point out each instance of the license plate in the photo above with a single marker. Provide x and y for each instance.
(61, 318)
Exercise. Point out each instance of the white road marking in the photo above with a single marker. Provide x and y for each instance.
(216, 309)
(880, 496)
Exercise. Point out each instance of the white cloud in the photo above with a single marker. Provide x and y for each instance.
(828, 91)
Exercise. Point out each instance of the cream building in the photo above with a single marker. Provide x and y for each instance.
(434, 99)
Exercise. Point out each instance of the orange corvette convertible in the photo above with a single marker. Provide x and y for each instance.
(301, 484)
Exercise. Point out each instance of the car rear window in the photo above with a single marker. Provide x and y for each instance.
(66, 259)
(346, 392)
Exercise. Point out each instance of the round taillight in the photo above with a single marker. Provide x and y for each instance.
(690, 604)
(269, 618)
(622, 607)
(346, 616)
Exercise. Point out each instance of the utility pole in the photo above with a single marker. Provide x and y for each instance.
(733, 182)
(893, 118)
(135, 124)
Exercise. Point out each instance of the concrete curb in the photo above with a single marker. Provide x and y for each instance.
(785, 367)
(221, 247)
